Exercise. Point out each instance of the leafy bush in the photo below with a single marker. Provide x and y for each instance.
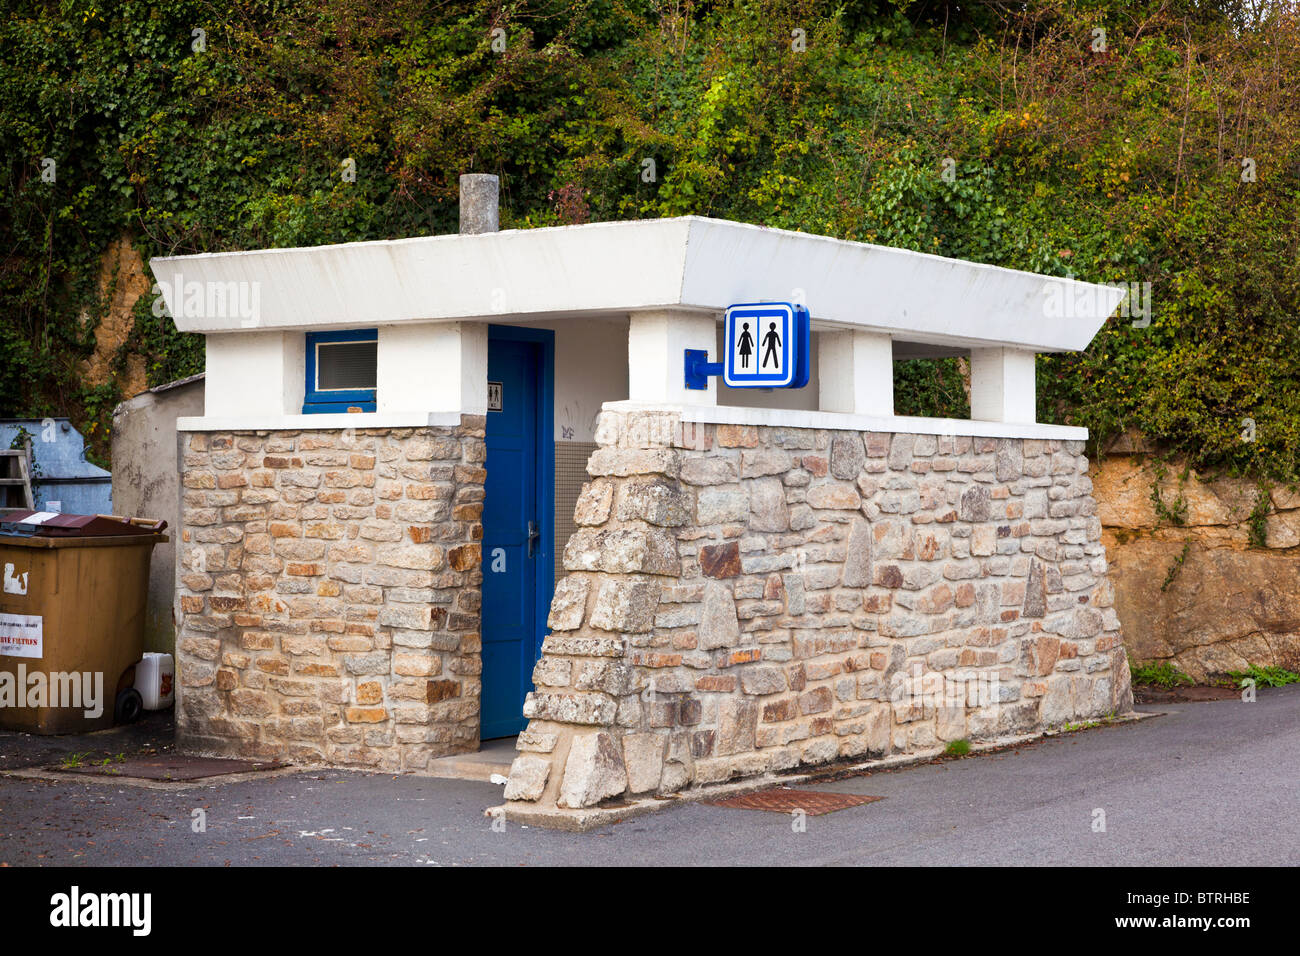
(987, 132)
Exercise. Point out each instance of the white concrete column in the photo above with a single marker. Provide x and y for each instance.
(856, 373)
(656, 346)
(1002, 387)
(432, 367)
(254, 373)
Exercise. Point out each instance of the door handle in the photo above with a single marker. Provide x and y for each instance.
(534, 535)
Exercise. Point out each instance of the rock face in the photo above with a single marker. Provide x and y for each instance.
(123, 280)
(1227, 604)
(812, 596)
(328, 590)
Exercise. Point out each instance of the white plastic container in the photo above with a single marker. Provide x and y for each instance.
(154, 679)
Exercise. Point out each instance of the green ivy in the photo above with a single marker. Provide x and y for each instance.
(989, 133)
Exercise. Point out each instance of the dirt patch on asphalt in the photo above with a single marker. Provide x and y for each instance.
(153, 735)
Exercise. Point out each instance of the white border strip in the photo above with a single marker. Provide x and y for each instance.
(703, 414)
(838, 421)
(330, 421)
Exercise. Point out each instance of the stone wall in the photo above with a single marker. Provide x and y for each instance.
(1201, 594)
(743, 600)
(328, 588)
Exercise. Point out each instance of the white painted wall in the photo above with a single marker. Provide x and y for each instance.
(656, 351)
(473, 368)
(432, 367)
(857, 373)
(254, 373)
(1002, 385)
(257, 379)
(590, 369)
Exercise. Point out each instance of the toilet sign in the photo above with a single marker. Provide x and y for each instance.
(766, 345)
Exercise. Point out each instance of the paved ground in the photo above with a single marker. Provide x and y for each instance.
(151, 735)
(1208, 783)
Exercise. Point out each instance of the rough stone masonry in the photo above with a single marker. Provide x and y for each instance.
(328, 589)
(742, 600)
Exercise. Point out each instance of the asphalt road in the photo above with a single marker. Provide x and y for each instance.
(1210, 783)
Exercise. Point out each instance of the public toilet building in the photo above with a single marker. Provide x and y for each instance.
(454, 488)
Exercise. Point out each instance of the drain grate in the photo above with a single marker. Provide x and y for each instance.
(173, 767)
(783, 800)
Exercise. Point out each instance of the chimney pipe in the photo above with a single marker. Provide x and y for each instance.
(479, 201)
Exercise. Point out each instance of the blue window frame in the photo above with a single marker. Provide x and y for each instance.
(341, 370)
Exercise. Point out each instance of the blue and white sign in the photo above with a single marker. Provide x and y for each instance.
(766, 345)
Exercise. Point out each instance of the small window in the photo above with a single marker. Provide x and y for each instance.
(341, 371)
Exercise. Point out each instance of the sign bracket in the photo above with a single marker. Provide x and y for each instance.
(699, 368)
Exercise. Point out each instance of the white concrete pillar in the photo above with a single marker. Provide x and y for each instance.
(1002, 387)
(433, 367)
(254, 373)
(856, 373)
(656, 346)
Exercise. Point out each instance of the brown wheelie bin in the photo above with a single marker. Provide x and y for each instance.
(72, 611)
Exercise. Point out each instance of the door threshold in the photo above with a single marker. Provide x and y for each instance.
(492, 757)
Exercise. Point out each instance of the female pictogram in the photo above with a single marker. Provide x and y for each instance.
(746, 345)
(771, 342)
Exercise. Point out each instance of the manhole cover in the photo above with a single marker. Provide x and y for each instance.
(174, 767)
(812, 802)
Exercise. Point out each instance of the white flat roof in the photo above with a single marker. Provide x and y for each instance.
(613, 268)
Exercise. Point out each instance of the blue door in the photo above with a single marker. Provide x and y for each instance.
(517, 571)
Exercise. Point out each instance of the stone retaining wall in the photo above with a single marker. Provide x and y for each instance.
(328, 594)
(1212, 597)
(742, 600)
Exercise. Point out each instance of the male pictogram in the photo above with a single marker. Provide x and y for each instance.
(771, 342)
(746, 345)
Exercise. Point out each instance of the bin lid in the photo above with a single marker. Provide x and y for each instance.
(52, 524)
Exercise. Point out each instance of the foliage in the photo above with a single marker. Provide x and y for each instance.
(1175, 513)
(1257, 521)
(73, 760)
(1271, 676)
(1163, 674)
(1172, 574)
(989, 132)
(931, 387)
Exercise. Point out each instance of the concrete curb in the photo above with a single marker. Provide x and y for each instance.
(57, 776)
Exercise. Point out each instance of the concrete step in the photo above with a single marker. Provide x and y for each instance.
(494, 756)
